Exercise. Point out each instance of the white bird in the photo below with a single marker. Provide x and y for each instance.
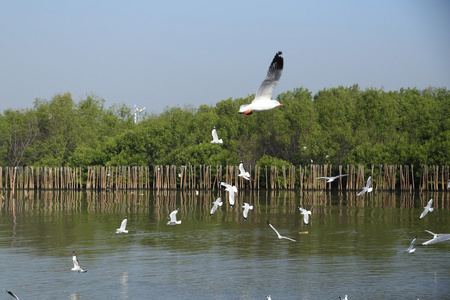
(278, 234)
(246, 208)
(231, 189)
(367, 188)
(76, 264)
(268, 297)
(263, 96)
(123, 225)
(345, 298)
(173, 218)
(427, 208)
(216, 137)
(437, 237)
(411, 248)
(331, 179)
(216, 204)
(12, 294)
(305, 214)
(242, 172)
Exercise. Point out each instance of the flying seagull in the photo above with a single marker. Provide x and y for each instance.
(268, 297)
(367, 188)
(231, 189)
(427, 208)
(411, 248)
(278, 234)
(173, 218)
(76, 264)
(246, 208)
(437, 237)
(242, 172)
(345, 298)
(263, 96)
(216, 204)
(331, 179)
(12, 294)
(305, 214)
(216, 137)
(122, 226)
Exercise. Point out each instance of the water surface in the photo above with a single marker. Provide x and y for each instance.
(350, 246)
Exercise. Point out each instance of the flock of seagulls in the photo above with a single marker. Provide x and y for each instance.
(437, 237)
(262, 102)
(440, 237)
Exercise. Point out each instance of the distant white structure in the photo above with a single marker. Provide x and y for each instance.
(137, 111)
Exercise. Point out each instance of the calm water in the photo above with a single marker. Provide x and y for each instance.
(350, 247)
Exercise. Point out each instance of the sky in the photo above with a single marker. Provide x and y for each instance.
(161, 54)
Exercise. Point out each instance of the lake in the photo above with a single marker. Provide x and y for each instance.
(349, 248)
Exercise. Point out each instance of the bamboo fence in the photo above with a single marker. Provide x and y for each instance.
(207, 177)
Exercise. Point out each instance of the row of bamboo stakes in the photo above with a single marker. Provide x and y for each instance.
(191, 177)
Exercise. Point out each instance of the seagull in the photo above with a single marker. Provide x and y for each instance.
(242, 173)
(231, 189)
(305, 214)
(216, 204)
(367, 188)
(76, 264)
(173, 218)
(246, 208)
(437, 237)
(268, 297)
(263, 96)
(216, 137)
(122, 226)
(331, 179)
(411, 248)
(12, 294)
(279, 235)
(345, 298)
(427, 208)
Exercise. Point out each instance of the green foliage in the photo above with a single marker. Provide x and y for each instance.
(337, 126)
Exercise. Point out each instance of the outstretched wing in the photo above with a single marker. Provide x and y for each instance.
(287, 238)
(173, 216)
(12, 294)
(412, 244)
(273, 76)
(327, 178)
(214, 135)
(271, 226)
(123, 225)
(368, 182)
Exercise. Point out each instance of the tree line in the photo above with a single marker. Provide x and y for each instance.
(342, 125)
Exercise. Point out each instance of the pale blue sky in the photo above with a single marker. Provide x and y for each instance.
(176, 53)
